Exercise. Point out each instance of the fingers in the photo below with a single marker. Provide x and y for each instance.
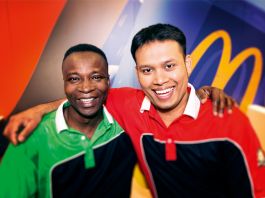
(229, 103)
(29, 127)
(219, 102)
(222, 102)
(203, 94)
(10, 135)
(11, 130)
(221, 106)
(18, 129)
(215, 98)
(22, 124)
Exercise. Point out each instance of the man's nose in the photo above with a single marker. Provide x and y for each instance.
(86, 85)
(160, 77)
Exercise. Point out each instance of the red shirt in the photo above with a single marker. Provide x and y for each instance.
(198, 154)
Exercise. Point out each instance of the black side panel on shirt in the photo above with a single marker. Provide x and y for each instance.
(111, 177)
(203, 169)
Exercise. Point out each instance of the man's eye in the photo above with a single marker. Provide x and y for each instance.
(73, 79)
(169, 66)
(146, 70)
(97, 77)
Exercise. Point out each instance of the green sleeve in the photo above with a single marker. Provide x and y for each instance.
(18, 173)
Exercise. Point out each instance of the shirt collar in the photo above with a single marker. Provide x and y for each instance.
(192, 108)
(61, 122)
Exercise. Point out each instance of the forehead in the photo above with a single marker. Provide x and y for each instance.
(155, 50)
(84, 60)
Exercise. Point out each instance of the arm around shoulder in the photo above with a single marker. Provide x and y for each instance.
(22, 124)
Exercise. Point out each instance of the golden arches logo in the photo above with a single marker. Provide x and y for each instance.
(228, 67)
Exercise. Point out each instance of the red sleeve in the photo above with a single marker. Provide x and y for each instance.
(118, 101)
(256, 162)
(254, 154)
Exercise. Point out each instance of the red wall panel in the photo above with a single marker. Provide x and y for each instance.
(26, 26)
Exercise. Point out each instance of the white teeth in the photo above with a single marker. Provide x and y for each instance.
(87, 99)
(165, 91)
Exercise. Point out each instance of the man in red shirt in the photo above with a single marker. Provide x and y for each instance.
(183, 150)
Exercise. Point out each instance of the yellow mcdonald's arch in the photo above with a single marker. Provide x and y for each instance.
(228, 67)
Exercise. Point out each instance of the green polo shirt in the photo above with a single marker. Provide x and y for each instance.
(43, 165)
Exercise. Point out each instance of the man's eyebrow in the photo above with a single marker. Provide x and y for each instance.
(140, 66)
(162, 63)
(72, 73)
(169, 60)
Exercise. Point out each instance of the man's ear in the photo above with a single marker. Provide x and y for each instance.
(109, 81)
(188, 63)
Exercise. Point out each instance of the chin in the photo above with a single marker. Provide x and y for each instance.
(87, 113)
(165, 107)
(90, 113)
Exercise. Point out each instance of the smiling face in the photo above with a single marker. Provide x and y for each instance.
(163, 73)
(85, 82)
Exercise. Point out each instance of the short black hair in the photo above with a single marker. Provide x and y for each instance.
(159, 32)
(85, 48)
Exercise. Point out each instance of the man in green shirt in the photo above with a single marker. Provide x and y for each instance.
(79, 150)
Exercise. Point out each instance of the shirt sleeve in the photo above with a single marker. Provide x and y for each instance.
(251, 149)
(118, 101)
(256, 162)
(18, 174)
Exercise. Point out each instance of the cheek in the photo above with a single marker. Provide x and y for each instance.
(103, 88)
(179, 76)
(145, 80)
(68, 90)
